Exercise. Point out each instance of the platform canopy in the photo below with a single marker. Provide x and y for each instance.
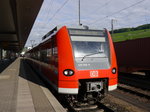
(16, 20)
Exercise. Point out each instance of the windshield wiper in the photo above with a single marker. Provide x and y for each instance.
(91, 54)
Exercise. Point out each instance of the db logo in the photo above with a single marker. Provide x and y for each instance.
(93, 73)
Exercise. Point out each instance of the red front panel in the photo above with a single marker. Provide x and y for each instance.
(66, 61)
(113, 78)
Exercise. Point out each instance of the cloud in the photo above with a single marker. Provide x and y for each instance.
(91, 10)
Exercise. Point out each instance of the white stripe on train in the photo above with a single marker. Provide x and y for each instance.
(75, 90)
(112, 87)
(68, 90)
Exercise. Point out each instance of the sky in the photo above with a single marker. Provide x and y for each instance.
(94, 13)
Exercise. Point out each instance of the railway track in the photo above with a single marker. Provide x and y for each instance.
(135, 91)
(99, 107)
(124, 92)
(133, 95)
(135, 80)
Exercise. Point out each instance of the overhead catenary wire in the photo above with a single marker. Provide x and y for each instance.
(50, 9)
(118, 11)
(42, 25)
(100, 7)
(120, 24)
(42, 14)
(47, 14)
(131, 14)
(57, 11)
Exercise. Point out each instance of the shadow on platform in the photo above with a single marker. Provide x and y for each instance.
(29, 74)
(4, 64)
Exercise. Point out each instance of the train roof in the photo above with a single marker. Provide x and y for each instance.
(73, 30)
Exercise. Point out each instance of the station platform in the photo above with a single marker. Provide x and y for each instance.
(21, 90)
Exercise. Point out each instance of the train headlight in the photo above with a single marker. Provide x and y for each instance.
(114, 70)
(68, 72)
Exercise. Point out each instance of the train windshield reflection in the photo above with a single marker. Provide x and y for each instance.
(85, 46)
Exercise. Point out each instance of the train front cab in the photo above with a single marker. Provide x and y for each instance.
(95, 67)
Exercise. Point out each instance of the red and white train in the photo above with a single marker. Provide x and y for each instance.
(79, 62)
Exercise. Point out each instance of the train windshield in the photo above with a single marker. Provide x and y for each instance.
(91, 49)
(89, 46)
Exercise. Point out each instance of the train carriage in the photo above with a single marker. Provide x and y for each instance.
(79, 62)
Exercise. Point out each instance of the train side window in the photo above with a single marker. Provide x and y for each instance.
(55, 51)
(38, 55)
(54, 48)
(49, 55)
(43, 55)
